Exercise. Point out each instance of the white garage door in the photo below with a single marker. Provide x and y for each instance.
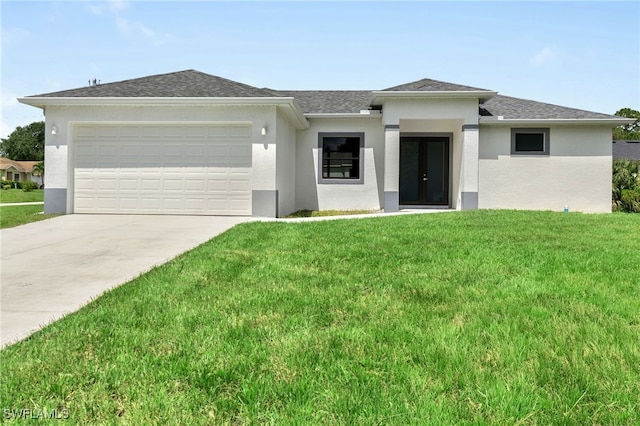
(202, 169)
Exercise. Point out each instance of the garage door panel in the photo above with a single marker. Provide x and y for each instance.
(163, 169)
(173, 185)
(129, 186)
(239, 185)
(110, 184)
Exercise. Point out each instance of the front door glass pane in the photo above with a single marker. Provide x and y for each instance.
(410, 171)
(435, 190)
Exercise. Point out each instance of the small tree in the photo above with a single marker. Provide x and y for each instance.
(628, 131)
(38, 170)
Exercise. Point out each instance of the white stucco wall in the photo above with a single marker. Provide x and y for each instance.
(344, 196)
(395, 110)
(59, 147)
(577, 173)
(285, 166)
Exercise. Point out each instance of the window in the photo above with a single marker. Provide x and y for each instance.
(530, 141)
(16, 177)
(341, 157)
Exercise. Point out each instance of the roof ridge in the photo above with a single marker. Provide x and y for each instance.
(418, 85)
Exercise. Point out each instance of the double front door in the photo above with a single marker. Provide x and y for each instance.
(424, 170)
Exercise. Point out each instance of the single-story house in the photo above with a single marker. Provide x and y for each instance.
(18, 171)
(626, 150)
(197, 144)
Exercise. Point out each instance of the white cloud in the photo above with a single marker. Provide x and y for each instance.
(125, 26)
(544, 56)
(14, 35)
(113, 6)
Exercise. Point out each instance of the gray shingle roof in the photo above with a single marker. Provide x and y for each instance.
(428, 85)
(189, 83)
(629, 150)
(192, 83)
(516, 108)
(328, 101)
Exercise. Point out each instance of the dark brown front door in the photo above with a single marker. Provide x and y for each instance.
(424, 170)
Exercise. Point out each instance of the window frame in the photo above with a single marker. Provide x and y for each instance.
(544, 131)
(333, 180)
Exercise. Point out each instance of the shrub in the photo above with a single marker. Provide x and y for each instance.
(12, 184)
(626, 180)
(631, 200)
(28, 186)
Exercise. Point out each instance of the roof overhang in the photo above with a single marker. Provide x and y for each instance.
(361, 114)
(500, 121)
(287, 104)
(378, 97)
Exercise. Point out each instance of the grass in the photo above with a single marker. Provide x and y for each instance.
(323, 213)
(11, 216)
(19, 196)
(486, 317)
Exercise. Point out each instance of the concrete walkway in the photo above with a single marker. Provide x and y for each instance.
(56, 266)
(28, 203)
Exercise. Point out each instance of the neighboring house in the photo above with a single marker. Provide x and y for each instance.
(18, 171)
(193, 143)
(626, 150)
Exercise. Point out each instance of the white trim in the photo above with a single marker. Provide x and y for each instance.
(170, 100)
(497, 121)
(43, 101)
(342, 115)
(378, 96)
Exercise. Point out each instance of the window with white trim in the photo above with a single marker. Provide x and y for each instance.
(530, 141)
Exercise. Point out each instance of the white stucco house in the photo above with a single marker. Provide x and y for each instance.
(196, 144)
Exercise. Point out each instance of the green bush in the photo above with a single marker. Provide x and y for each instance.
(12, 184)
(626, 186)
(28, 186)
(631, 200)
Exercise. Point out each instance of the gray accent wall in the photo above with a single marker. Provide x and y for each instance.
(469, 201)
(391, 201)
(264, 203)
(55, 200)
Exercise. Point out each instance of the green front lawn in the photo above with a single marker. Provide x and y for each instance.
(484, 317)
(11, 216)
(19, 196)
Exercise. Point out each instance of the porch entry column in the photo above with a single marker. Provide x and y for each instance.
(469, 169)
(391, 167)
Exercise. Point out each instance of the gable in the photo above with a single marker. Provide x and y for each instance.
(428, 85)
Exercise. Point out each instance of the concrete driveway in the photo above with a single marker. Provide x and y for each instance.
(54, 267)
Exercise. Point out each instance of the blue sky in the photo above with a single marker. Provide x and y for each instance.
(580, 54)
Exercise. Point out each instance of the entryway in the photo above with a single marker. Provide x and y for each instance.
(424, 170)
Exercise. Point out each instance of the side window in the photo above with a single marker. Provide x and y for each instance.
(341, 157)
(530, 141)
